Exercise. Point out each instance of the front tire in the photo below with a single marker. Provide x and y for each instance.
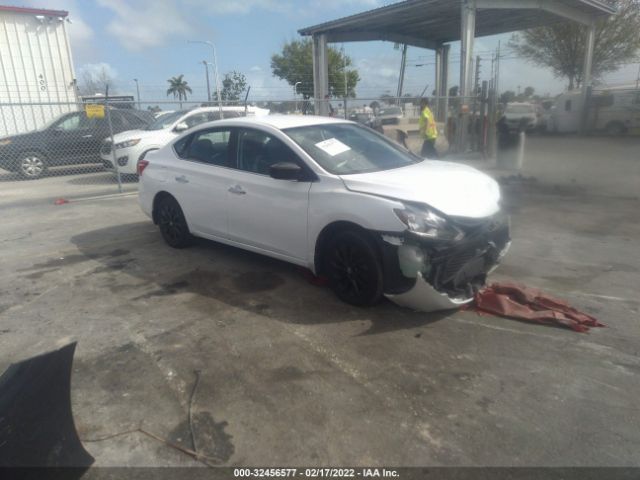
(32, 165)
(354, 269)
(173, 226)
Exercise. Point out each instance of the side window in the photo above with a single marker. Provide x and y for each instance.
(257, 151)
(182, 145)
(77, 121)
(207, 146)
(196, 119)
(117, 119)
(567, 106)
(132, 118)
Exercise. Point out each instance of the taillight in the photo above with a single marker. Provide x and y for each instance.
(142, 164)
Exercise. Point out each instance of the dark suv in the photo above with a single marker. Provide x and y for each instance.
(70, 139)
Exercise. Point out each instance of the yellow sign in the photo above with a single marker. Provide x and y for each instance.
(94, 110)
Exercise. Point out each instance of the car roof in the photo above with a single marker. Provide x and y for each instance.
(282, 121)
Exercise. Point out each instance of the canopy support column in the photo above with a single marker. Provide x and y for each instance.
(320, 74)
(442, 80)
(468, 32)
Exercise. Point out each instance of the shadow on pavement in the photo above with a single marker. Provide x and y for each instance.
(219, 273)
(54, 171)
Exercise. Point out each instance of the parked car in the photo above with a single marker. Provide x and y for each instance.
(69, 139)
(521, 116)
(335, 197)
(390, 115)
(132, 146)
(367, 119)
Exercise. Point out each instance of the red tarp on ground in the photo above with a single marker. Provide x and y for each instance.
(528, 304)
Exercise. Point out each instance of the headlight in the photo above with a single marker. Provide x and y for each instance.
(4, 142)
(127, 144)
(428, 224)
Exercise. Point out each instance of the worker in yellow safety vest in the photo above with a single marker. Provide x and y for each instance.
(428, 130)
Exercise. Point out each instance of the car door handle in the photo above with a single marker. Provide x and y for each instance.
(182, 179)
(237, 190)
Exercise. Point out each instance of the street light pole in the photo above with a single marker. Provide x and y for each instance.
(295, 94)
(137, 92)
(215, 69)
(206, 73)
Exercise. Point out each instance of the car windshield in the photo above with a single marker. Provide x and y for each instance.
(390, 111)
(165, 121)
(345, 148)
(520, 109)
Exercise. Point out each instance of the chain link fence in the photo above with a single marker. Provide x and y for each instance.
(99, 141)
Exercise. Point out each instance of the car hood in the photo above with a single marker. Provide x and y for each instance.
(452, 188)
(142, 134)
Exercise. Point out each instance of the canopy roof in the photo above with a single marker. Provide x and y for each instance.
(428, 23)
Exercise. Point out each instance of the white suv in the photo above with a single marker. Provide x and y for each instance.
(335, 197)
(133, 145)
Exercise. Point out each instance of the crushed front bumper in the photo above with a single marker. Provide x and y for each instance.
(424, 298)
(430, 276)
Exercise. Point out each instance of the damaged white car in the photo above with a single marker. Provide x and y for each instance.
(335, 197)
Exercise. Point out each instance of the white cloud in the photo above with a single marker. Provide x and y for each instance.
(95, 70)
(149, 24)
(152, 23)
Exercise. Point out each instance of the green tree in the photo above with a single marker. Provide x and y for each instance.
(528, 92)
(508, 97)
(234, 85)
(295, 64)
(561, 47)
(178, 87)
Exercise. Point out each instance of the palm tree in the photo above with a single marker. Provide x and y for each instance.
(178, 88)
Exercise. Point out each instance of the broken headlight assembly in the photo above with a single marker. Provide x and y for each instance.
(427, 224)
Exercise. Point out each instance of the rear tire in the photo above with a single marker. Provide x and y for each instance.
(31, 165)
(353, 266)
(173, 226)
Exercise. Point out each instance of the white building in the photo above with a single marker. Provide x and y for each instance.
(37, 80)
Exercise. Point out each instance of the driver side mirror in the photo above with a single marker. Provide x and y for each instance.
(285, 171)
(181, 127)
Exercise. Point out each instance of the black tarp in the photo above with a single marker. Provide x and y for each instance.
(36, 422)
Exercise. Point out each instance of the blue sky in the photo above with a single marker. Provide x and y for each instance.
(147, 40)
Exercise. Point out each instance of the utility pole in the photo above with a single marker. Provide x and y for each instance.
(215, 69)
(206, 73)
(137, 92)
(403, 66)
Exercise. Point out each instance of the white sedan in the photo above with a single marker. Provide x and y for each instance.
(335, 197)
(133, 145)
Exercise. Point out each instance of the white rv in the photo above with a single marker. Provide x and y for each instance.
(615, 111)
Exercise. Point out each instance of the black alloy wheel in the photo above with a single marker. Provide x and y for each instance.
(173, 225)
(353, 267)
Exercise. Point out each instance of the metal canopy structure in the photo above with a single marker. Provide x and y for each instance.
(428, 23)
(433, 23)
